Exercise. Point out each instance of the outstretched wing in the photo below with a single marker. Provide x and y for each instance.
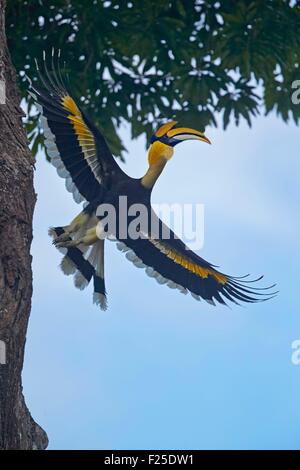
(171, 262)
(75, 146)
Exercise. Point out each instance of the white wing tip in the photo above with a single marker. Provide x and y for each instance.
(100, 299)
(80, 281)
(67, 266)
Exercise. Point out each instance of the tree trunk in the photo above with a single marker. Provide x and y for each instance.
(17, 198)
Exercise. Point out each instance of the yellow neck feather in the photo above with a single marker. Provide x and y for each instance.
(158, 156)
(159, 150)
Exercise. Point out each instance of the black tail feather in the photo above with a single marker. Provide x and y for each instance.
(75, 263)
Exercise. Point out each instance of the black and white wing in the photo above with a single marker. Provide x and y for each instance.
(171, 262)
(75, 146)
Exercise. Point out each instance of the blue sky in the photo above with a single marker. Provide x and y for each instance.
(158, 369)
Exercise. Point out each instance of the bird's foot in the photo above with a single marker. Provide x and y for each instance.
(62, 238)
(66, 243)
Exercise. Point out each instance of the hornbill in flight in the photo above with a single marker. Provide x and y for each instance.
(81, 155)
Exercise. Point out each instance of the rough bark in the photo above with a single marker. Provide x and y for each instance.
(17, 199)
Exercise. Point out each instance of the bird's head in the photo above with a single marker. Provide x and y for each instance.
(167, 136)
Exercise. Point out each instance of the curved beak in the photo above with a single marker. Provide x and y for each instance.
(185, 133)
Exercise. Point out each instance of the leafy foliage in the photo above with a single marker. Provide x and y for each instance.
(144, 61)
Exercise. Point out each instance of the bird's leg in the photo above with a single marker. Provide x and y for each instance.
(90, 237)
(79, 221)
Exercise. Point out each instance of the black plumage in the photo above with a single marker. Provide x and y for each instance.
(81, 155)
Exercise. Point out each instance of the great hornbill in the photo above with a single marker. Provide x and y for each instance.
(81, 155)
